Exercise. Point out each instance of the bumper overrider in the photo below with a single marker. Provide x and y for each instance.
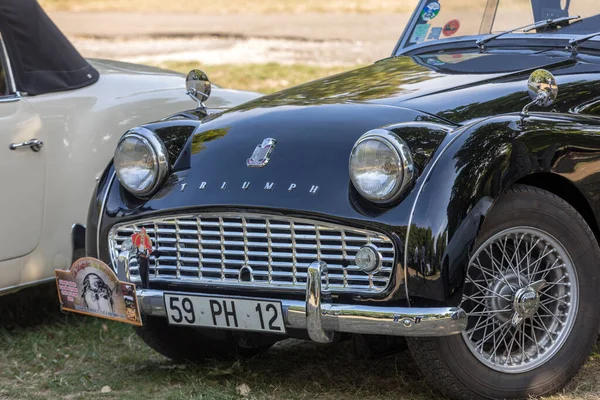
(321, 318)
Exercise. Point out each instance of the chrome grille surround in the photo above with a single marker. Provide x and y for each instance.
(256, 250)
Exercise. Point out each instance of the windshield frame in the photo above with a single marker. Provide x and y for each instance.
(486, 22)
(403, 46)
(409, 27)
(514, 43)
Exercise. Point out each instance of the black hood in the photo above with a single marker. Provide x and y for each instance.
(411, 81)
(315, 125)
(313, 144)
(42, 58)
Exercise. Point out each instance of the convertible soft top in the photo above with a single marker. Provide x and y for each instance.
(42, 58)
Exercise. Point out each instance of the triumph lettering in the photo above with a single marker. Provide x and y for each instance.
(269, 186)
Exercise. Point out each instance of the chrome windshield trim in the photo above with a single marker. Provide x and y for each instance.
(10, 79)
(472, 38)
(409, 27)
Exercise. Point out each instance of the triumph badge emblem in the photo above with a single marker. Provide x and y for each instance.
(262, 153)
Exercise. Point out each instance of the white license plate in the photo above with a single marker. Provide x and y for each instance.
(218, 312)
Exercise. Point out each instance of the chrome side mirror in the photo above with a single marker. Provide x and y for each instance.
(198, 86)
(542, 89)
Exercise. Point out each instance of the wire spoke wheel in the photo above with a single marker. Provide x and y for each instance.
(521, 298)
(531, 296)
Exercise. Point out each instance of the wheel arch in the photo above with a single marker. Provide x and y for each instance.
(469, 175)
(566, 190)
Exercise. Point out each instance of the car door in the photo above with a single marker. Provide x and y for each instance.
(22, 165)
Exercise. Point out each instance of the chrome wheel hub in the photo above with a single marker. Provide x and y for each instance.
(527, 302)
(501, 304)
(521, 296)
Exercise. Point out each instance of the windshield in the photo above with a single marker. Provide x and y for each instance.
(444, 19)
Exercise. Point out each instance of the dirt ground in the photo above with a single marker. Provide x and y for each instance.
(232, 51)
(310, 38)
(323, 39)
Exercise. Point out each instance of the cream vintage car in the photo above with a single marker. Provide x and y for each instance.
(61, 117)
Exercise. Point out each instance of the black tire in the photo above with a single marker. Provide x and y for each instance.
(195, 344)
(449, 364)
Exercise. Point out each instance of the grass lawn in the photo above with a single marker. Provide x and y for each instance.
(75, 357)
(263, 78)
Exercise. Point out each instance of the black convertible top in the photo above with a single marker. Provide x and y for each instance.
(42, 58)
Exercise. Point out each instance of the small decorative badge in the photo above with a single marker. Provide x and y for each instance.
(451, 27)
(142, 243)
(262, 153)
(434, 34)
(91, 287)
(420, 33)
(430, 11)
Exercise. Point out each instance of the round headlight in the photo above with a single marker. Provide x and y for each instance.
(381, 166)
(141, 161)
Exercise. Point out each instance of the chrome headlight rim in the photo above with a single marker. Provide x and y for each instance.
(405, 161)
(159, 156)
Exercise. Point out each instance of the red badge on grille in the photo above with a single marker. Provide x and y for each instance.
(142, 243)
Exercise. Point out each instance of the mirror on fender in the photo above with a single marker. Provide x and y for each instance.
(198, 86)
(542, 89)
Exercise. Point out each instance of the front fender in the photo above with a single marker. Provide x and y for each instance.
(469, 174)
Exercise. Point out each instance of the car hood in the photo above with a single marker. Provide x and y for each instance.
(320, 121)
(412, 81)
(308, 168)
(315, 126)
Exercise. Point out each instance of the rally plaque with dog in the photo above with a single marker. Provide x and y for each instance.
(91, 287)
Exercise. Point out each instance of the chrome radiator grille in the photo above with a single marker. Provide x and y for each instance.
(256, 250)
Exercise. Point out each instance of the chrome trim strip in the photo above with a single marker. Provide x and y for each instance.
(431, 166)
(16, 288)
(110, 183)
(10, 98)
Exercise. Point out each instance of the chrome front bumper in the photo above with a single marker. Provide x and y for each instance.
(321, 318)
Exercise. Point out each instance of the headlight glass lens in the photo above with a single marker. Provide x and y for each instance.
(376, 169)
(136, 164)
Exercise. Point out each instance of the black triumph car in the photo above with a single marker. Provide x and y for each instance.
(449, 193)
